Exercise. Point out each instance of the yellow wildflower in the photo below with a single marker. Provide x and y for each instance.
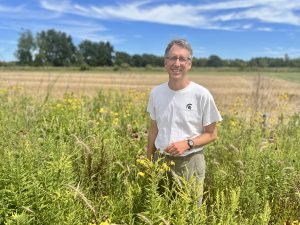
(92, 223)
(232, 123)
(165, 167)
(161, 170)
(284, 96)
(115, 122)
(141, 174)
(105, 221)
(101, 110)
(144, 162)
(3, 91)
(172, 163)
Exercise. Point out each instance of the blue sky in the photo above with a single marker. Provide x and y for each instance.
(228, 28)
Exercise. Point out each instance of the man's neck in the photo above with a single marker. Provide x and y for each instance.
(178, 84)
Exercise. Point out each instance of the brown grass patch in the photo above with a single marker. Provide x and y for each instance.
(256, 92)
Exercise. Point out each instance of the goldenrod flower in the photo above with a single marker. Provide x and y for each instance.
(3, 91)
(105, 221)
(115, 122)
(92, 223)
(232, 123)
(141, 174)
(165, 167)
(144, 162)
(172, 163)
(284, 96)
(101, 110)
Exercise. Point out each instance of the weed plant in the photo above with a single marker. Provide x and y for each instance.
(82, 161)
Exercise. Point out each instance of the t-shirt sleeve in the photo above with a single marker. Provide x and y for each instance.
(211, 113)
(150, 107)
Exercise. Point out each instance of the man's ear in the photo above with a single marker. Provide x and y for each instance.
(190, 64)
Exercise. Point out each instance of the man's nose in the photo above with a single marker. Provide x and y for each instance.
(177, 62)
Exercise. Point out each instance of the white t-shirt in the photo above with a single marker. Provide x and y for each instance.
(181, 114)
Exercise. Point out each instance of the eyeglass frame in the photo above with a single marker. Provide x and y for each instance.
(181, 59)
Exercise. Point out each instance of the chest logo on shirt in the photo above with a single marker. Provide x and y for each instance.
(189, 106)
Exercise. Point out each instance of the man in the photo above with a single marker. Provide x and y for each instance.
(183, 116)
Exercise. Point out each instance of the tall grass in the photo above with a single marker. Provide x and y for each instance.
(82, 161)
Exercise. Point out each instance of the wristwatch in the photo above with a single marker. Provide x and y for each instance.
(190, 143)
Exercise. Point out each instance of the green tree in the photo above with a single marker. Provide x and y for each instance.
(122, 57)
(294, 62)
(55, 48)
(238, 63)
(152, 60)
(96, 54)
(259, 62)
(137, 61)
(88, 50)
(148, 59)
(25, 48)
(199, 62)
(105, 51)
(214, 61)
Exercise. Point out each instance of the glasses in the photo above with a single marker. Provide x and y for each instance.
(181, 59)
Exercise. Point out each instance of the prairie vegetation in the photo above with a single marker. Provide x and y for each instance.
(73, 152)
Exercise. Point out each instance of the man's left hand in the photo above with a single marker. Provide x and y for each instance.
(177, 148)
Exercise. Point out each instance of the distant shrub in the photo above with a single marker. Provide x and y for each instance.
(84, 67)
(125, 66)
(148, 67)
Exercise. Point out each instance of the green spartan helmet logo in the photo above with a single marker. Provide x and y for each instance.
(189, 106)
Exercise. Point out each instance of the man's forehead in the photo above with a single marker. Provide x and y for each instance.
(179, 49)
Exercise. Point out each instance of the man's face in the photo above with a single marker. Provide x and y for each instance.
(178, 62)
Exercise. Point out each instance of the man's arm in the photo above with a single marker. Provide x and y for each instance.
(152, 133)
(209, 135)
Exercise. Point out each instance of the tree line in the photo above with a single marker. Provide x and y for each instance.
(56, 48)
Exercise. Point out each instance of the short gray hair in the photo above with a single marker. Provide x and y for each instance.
(180, 42)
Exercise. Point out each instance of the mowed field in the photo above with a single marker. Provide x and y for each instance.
(260, 92)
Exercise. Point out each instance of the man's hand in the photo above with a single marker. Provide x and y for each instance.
(177, 148)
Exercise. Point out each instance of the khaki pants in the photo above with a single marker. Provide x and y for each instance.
(191, 168)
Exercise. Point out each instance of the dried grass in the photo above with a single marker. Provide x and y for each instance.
(256, 91)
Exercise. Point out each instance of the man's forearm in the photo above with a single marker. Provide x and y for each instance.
(151, 146)
(204, 139)
(210, 134)
(153, 131)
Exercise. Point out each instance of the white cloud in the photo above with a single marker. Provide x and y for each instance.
(247, 26)
(226, 15)
(257, 15)
(56, 5)
(166, 14)
(54, 16)
(207, 16)
(271, 15)
(267, 29)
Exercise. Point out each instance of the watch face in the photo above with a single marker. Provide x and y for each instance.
(190, 143)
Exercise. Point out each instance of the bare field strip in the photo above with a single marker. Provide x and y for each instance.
(263, 92)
